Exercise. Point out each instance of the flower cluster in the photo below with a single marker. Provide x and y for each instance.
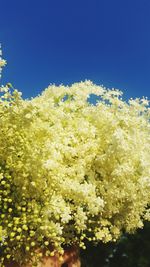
(2, 61)
(70, 171)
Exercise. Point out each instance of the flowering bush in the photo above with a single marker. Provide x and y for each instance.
(71, 171)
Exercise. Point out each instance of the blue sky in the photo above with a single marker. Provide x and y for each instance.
(68, 41)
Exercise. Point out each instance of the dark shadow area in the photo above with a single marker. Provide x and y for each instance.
(64, 265)
(130, 251)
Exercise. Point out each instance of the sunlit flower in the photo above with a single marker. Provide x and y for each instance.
(70, 170)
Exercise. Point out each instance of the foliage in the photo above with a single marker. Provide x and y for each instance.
(71, 171)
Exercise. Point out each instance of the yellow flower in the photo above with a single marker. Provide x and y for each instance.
(71, 170)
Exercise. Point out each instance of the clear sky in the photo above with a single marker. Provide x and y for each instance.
(66, 41)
